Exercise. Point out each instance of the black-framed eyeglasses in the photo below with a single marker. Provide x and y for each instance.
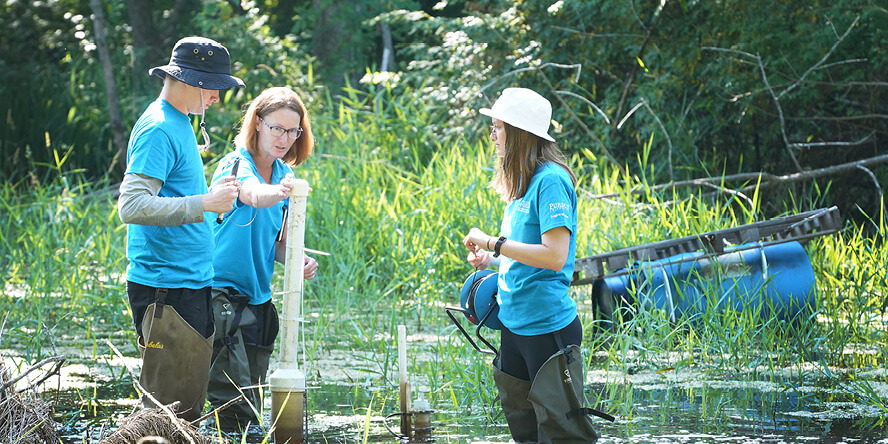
(278, 131)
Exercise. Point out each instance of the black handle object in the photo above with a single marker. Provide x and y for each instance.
(450, 309)
(393, 433)
(233, 173)
(280, 235)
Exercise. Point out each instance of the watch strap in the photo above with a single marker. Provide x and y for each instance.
(498, 245)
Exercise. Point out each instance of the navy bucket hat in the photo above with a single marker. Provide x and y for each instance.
(478, 297)
(199, 62)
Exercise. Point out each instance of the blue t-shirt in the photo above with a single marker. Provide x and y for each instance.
(245, 240)
(535, 301)
(162, 145)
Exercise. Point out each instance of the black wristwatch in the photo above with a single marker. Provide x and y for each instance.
(498, 245)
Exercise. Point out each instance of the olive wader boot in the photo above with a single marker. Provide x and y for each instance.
(518, 410)
(238, 366)
(558, 400)
(176, 360)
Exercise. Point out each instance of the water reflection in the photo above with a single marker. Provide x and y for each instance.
(712, 412)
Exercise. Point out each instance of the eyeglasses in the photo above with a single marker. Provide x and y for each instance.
(278, 131)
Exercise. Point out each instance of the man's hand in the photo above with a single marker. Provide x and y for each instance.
(221, 196)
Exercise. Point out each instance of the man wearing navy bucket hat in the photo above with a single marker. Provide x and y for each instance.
(165, 201)
(538, 370)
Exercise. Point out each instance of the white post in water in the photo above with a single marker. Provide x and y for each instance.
(288, 381)
(405, 383)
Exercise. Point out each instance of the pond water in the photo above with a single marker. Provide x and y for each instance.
(351, 371)
(665, 412)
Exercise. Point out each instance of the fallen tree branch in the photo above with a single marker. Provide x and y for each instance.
(878, 187)
(587, 101)
(211, 413)
(665, 133)
(766, 179)
(679, 184)
(825, 144)
(776, 97)
(59, 360)
(822, 60)
(580, 122)
(577, 66)
(644, 103)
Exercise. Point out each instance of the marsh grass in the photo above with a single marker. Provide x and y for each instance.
(391, 203)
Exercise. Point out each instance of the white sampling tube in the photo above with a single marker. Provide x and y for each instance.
(288, 381)
(406, 425)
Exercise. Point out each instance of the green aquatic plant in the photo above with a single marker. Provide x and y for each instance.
(391, 213)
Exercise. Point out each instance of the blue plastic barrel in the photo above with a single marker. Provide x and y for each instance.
(773, 281)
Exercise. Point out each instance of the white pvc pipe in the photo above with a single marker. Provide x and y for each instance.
(406, 423)
(288, 375)
(402, 354)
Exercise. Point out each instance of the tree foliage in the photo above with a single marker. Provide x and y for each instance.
(694, 87)
(728, 86)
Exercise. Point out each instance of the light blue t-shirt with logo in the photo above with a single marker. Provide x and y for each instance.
(535, 301)
(245, 240)
(162, 145)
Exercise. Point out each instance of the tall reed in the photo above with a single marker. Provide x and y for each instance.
(391, 202)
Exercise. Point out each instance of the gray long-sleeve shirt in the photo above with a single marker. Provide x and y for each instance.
(139, 204)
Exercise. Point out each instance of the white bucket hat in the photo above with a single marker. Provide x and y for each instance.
(523, 108)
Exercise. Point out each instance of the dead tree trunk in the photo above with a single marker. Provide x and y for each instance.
(118, 132)
(148, 50)
(388, 48)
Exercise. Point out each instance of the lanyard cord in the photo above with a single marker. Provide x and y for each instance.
(203, 125)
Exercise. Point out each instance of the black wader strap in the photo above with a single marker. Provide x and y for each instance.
(229, 339)
(568, 354)
(589, 411)
(160, 295)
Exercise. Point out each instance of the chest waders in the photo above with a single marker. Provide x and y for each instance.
(517, 409)
(559, 402)
(552, 409)
(175, 361)
(241, 354)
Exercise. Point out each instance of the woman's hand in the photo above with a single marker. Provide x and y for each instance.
(309, 268)
(479, 259)
(287, 184)
(477, 242)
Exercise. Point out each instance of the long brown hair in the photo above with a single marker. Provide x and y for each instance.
(269, 101)
(522, 154)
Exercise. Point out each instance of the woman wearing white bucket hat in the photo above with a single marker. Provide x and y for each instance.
(535, 254)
